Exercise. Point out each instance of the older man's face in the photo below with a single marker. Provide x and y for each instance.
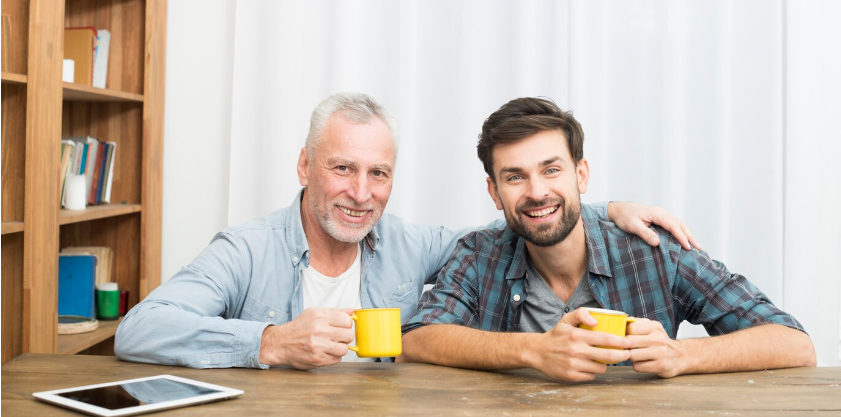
(349, 177)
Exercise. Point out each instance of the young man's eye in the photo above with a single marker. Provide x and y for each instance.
(515, 178)
(553, 171)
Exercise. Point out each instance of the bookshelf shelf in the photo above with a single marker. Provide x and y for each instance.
(97, 212)
(69, 344)
(76, 92)
(12, 227)
(12, 78)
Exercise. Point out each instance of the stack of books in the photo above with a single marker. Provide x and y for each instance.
(95, 160)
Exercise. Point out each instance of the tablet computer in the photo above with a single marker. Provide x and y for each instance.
(137, 396)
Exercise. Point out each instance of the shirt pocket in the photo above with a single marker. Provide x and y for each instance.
(255, 310)
(404, 297)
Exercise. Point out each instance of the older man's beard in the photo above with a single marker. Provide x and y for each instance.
(349, 232)
(547, 234)
(336, 227)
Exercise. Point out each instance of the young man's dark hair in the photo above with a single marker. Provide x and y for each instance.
(523, 117)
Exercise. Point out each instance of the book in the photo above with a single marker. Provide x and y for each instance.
(100, 62)
(76, 285)
(90, 163)
(112, 159)
(97, 169)
(80, 45)
(68, 152)
(103, 169)
(104, 259)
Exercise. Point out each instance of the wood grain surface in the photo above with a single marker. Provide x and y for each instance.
(427, 390)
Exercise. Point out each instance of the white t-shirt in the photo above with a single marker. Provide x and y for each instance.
(342, 291)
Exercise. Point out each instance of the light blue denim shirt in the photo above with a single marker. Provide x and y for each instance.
(212, 313)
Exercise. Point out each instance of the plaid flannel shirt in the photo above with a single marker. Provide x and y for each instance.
(483, 286)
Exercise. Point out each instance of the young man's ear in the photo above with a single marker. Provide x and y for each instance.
(582, 170)
(494, 193)
(303, 166)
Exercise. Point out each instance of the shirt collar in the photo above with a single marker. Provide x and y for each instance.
(298, 245)
(597, 260)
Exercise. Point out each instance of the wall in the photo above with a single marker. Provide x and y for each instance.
(197, 125)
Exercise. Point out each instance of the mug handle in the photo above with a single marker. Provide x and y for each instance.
(353, 348)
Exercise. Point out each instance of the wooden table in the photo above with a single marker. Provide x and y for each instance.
(427, 390)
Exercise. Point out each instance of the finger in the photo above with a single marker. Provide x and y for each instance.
(587, 365)
(642, 341)
(648, 353)
(690, 236)
(339, 318)
(672, 225)
(649, 367)
(641, 326)
(348, 311)
(639, 228)
(336, 349)
(609, 355)
(341, 335)
(578, 376)
(579, 316)
(596, 338)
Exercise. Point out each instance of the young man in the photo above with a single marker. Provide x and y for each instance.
(513, 297)
(279, 290)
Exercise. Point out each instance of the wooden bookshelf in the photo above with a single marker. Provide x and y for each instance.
(12, 227)
(97, 212)
(70, 344)
(38, 109)
(12, 78)
(76, 92)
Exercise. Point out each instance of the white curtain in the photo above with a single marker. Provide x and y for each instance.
(722, 112)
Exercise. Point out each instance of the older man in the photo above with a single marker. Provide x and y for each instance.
(279, 290)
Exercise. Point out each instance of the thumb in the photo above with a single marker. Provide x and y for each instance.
(579, 316)
(349, 311)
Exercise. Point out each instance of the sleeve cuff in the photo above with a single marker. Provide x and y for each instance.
(248, 344)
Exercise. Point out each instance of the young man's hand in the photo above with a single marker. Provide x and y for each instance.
(653, 351)
(318, 337)
(635, 218)
(569, 353)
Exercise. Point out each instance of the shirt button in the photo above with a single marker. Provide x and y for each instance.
(271, 314)
(566, 310)
(294, 259)
(516, 297)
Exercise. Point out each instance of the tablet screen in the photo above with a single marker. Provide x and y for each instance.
(132, 394)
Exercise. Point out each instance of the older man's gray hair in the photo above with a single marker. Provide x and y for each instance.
(356, 107)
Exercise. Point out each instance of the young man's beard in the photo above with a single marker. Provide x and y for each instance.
(548, 234)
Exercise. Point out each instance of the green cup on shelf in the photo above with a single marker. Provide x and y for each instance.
(107, 301)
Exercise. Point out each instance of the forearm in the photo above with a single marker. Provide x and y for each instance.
(156, 332)
(464, 347)
(767, 346)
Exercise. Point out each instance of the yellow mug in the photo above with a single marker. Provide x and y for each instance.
(609, 321)
(377, 333)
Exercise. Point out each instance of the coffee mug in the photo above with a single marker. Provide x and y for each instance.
(609, 321)
(377, 332)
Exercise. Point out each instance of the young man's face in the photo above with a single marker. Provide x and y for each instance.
(349, 178)
(538, 187)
